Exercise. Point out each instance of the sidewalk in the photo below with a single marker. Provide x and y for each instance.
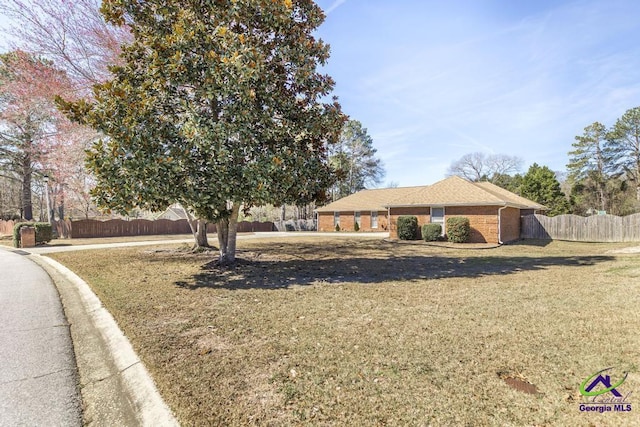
(38, 375)
(212, 240)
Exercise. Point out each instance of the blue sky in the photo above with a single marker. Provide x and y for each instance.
(434, 80)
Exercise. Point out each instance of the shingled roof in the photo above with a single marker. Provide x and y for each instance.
(456, 191)
(367, 200)
(452, 191)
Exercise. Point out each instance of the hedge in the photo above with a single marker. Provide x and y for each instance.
(458, 229)
(407, 227)
(44, 232)
(431, 232)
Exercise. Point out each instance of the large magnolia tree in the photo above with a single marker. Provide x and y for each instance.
(218, 106)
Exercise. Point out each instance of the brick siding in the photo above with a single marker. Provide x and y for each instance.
(483, 221)
(510, 224)
(347, 221)
(423, 214)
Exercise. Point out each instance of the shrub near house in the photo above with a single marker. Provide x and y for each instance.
(431, 232)
(458, 229)
(407, 227)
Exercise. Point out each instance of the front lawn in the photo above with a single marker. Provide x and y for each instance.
(325, 331)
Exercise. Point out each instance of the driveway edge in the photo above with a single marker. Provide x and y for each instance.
(116, 387)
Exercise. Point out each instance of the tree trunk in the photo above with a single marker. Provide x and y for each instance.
(227, 234)
(198, 230)
(638, 171)
(603, 196)
(27, 206)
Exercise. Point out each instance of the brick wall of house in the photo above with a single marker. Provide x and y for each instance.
(510, 224)
(347, 221)
(423, 214)
(325, 221)
(483, 221)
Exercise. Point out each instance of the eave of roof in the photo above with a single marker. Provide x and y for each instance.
(429, 205)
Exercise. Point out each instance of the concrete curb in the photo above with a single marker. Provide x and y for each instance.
(116, 387)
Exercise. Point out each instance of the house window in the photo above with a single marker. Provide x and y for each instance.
(336, 218)
(437, 217)
(357, 219)
(374, 219)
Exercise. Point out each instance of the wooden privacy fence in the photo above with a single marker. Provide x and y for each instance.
(87, 228)
(597, 228)
(141, 227)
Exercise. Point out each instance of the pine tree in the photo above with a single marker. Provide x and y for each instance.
(590, 158)
(540, 185)
(624, 144)
(355, 161)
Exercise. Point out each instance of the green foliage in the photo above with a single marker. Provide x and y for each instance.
(590, 158)
(458, 229)
(508, 182)
(16, 232)
(43, 232)
(624, 147)
(431, 232)
(605, 167)
(540, 185)
(216, 102)
(356, 226)
(355, 161)
(337, 227)
(407, 227)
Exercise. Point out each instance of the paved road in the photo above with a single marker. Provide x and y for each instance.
(38, 375)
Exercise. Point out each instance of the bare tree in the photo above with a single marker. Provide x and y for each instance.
(481, 167)
(71, 33)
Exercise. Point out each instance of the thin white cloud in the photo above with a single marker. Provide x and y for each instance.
(336, 4)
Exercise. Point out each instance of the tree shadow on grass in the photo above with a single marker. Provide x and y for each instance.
(282, 274)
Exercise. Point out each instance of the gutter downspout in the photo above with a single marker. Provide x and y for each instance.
(500, 242)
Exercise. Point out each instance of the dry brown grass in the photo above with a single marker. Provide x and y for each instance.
(363, 332)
